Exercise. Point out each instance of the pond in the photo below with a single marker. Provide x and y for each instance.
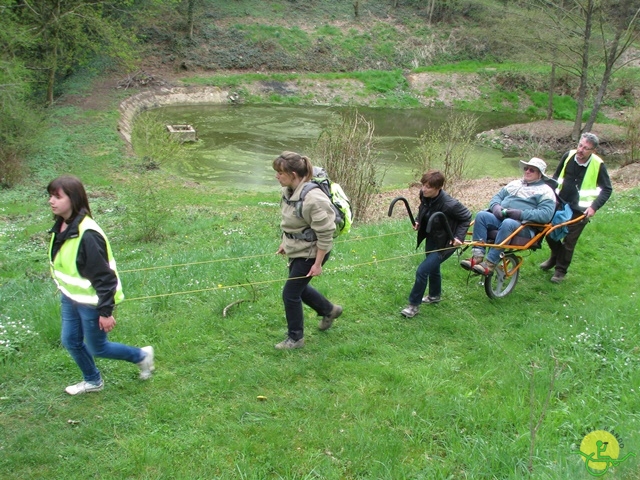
(237, 143)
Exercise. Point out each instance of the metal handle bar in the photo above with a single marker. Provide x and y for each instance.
(445, 221)
(406, 204)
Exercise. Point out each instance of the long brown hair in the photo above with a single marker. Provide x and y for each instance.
(73, 188)
(292, 162)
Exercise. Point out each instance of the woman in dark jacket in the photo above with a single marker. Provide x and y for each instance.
(439, 245)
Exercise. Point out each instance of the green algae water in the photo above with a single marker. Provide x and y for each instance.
(237, 143)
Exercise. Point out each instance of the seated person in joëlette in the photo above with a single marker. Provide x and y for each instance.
(526, 200)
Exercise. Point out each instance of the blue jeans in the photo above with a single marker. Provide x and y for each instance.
(83, 339)
(428, 272)
(486, 221)
(298, 290)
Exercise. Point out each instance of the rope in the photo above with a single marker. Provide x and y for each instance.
(264, 282)
(176, 265)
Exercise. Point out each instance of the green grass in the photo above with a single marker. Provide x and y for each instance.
(443, 395)
(287, 38)
(488, 68)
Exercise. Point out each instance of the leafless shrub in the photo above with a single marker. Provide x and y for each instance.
(534, 146)
(536, 423)
(346, 150)
(11, 167)
(632, 122)
(447, 149)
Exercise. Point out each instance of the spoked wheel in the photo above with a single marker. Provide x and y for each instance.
(502, 282)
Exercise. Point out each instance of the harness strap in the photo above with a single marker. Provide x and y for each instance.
(308, 235)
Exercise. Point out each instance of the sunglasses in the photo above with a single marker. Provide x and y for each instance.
(530, 169)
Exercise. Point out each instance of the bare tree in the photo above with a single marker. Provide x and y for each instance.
(552, 87)
(563, 33)
(191, 8)
(431, 5)
(623, 17)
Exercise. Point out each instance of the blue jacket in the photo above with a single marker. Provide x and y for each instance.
(536, 200)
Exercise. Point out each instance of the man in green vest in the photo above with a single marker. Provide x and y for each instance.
(583, 183)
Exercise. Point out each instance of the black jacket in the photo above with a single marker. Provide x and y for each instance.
(92, 262)
(458, 218)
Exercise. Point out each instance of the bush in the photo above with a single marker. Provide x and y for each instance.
(346, 150)
(153, 147)
(19, 127)
(632, 122)
(447, 149)
(11, 167)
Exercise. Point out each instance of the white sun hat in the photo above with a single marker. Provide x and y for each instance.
(537, 163)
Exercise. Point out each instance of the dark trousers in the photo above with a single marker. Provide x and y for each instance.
(296, 291)
(562, 252)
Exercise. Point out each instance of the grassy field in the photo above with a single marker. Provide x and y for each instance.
(453, 393)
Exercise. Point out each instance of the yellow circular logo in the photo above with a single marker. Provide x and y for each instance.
(600, 450)
(600, 445)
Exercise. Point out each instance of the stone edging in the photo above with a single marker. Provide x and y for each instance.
(162, 97)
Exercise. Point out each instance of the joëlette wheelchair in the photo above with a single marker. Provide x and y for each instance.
(503, 279)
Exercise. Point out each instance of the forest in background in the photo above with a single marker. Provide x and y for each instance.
(580, 48)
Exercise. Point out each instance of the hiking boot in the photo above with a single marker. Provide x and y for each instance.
(548, 264)
(327, 320)
(485, 268)
(410, 311)
(146, 365)
(289, 344)
(558, 277)
(429, 299)
(469, 263)
(84, 387)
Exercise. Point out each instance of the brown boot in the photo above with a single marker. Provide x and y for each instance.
(548, 264)
(327, 320)
(469, 263)
(485, 268)
(289, 344)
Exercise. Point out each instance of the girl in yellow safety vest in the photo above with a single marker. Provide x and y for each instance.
(84, 270)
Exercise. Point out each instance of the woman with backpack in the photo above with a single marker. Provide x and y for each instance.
(307, 238)
(439, 218)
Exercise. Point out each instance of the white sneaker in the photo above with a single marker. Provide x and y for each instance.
(146, 365)
(84, 387)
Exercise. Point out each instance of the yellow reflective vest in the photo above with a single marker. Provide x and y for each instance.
(65, 271)
(589, 189)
